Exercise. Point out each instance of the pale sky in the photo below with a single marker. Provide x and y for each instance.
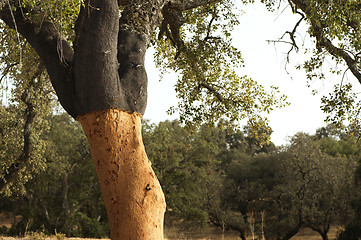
(265, 63)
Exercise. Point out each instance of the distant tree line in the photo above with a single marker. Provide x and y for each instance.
(213, 175)
(226, 178)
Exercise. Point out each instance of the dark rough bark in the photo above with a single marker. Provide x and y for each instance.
(97, 84)
(106, 69)
(131, 53)
(46, 39)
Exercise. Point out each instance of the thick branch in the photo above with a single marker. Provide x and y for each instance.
(142, 16)
(52, 48)
(136, 26)
(323, 41)
(112, 48)
(172, 21)
(212, 90)
(337, 52)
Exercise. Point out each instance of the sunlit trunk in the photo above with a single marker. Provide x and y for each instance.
(131, 191)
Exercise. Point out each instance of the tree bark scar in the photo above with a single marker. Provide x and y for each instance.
(133, 196)
(147, 189)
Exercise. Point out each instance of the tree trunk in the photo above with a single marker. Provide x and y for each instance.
(322, 231)
(131, 191)
(242, 235)
(324, 236)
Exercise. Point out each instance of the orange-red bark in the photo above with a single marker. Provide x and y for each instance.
(131, 191)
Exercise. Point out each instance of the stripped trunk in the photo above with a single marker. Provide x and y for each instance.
(131, 191)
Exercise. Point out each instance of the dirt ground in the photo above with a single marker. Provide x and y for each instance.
(7, 219)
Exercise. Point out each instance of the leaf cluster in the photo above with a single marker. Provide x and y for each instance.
(343, 109)
(208, 86)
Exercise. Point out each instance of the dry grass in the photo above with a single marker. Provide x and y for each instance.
(211, 234)
(308, 234)
(215, 234)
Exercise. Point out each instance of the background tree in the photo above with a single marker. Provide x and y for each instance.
(209, 176)
(185, 163)
(335, 29)
(279, 192)
(239, 179)
(23, 122)
(65, 196)
(323, 184)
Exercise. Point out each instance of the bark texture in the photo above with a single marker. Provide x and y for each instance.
(131, 191)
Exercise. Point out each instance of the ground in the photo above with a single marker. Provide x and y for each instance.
(172, 233)
(212, 234)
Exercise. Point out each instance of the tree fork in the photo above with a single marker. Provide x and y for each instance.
(132, 194)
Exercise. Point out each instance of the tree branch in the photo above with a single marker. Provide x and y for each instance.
(324, 42)
(291, 35)
(212, 90)
(337, 52)
(172, 21)
(209, 27)
(51, 46)
(23, 159)
(7, 69)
